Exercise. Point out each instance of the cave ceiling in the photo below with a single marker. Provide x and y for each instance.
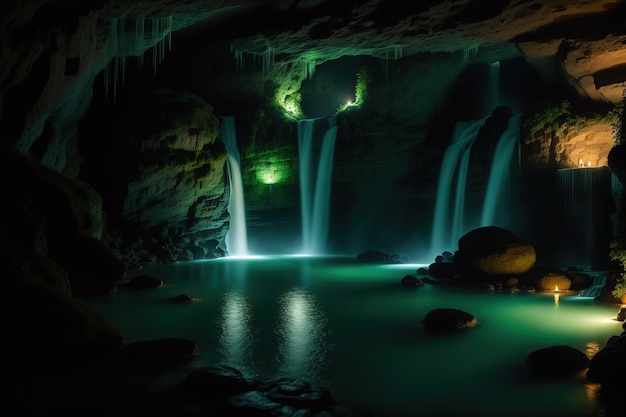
(42, 39)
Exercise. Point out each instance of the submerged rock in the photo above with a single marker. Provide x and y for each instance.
(449, 320)
(557, 361)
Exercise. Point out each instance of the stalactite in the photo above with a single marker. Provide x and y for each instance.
(120, 47)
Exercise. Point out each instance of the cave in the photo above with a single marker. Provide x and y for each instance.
(311, 179)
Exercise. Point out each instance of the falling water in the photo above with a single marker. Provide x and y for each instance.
(447, 227)
(237, 236)
(315, 183)
(499, 174)
(599, 281)
(455, 160)
(584, 193)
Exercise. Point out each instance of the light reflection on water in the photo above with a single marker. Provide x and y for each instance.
(351, 327)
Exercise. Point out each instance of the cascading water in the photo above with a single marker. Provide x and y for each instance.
(499, 174)
(584, 213)
(599, 281)
(449, 227)
(237, 236)
(446, 229)
(315, 183)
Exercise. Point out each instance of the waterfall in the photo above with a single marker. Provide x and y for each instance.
(315, 183)
(499, 173)
(446, 229)
(584, 194)
(494, 86)
(237, 236)
(599, 281)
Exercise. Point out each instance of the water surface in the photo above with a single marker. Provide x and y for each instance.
(351, 327)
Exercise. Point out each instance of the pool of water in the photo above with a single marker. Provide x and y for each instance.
(351, 327)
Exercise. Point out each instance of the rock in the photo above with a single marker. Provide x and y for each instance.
(142, 282)
(444, 270)
(411, 281)
(449, 320)
(55, 333)
(167, 351)
(217, 381)
(608, 366)
(495, 251)
(298, 393)
(370, 255)
(182, 299)
(621, 314)
(552, 281)
(557, 361)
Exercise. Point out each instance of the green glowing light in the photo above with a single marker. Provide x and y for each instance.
(360, 93)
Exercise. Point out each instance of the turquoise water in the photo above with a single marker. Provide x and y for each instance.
(351, 327)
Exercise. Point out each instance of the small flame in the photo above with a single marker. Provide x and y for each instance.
(556, 288)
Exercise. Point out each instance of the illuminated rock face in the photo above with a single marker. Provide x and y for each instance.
(496, 251)
(588, 146)
(176, 167)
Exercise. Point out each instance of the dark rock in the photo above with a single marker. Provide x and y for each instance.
(621, 314)
(495, 251)
(557, 361)
(444, 270)
(167, 351)
(253, 404)
(217, 381)
(608, 366)
(411, 281)
(298, 393)
(370, 255)
(449, 320)
(182, 299)
(142, 282)
(56, 333)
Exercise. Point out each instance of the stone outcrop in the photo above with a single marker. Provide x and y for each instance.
(495, 251)
(586, 146)
(445, 320)
(175, 165)
(557, 361)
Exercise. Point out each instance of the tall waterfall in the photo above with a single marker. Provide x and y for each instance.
(315, 182)
(584, 194)
(449, 226)
(237, 236)
(446, 228)
(500, 171)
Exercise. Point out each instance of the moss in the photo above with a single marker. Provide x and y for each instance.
(556, 117)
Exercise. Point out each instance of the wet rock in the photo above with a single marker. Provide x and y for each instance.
(443, 320)
(411, 281)
(495, 251)
(217, 381)
(557, 361)
(182, 299)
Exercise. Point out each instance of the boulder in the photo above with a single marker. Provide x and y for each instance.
(554, 281)
(411, 281)
(495, 251)
(557, 361)
(373, 256)
(608, 366)
(449, 320)
(217, 381)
